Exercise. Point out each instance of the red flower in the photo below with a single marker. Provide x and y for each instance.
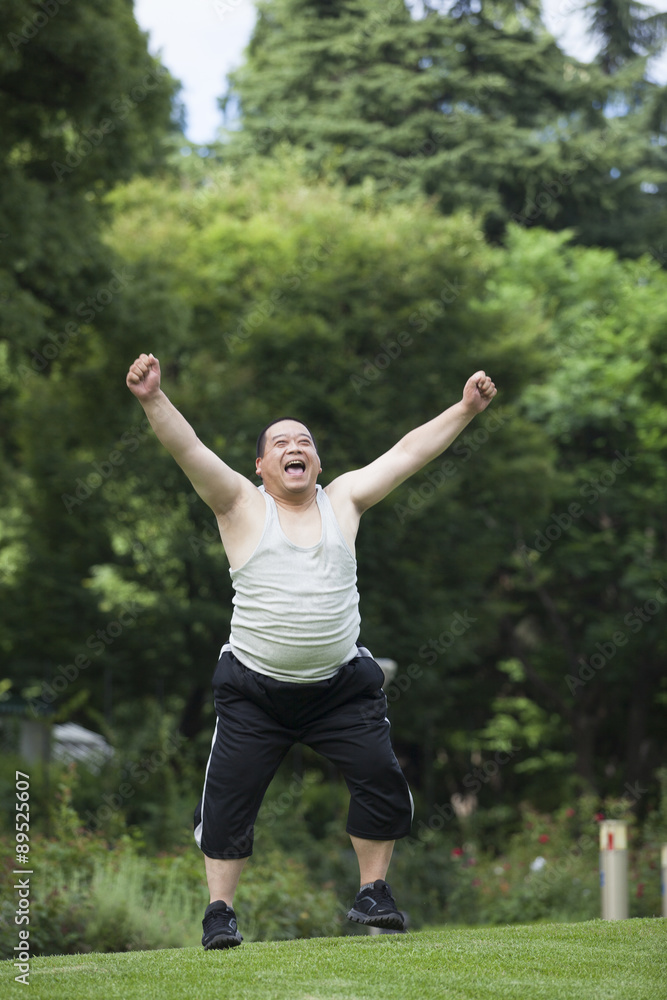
(457, 852)
(476, 882)
(543, 838)
(640, 890)
(599, 817)
(569, 813)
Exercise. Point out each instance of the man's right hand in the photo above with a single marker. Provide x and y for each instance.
(143, 378)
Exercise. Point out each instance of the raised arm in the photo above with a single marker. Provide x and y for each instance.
(367, 486)
(218, 485)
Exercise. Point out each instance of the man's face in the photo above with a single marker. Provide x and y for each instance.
(290, 462)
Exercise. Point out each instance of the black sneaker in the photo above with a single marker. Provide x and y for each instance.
(374, 905)
(219, 923)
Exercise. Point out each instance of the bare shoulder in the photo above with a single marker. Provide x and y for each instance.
(242, 524)
(340, 495)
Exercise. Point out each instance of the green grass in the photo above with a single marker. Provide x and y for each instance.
(598, 960)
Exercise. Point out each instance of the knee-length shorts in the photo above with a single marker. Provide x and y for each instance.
(259, 719)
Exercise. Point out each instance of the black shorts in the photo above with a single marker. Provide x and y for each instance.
(260, 719)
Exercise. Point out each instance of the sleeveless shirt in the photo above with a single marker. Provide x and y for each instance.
(296, 609)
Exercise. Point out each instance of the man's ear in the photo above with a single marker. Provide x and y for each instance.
(258, 467)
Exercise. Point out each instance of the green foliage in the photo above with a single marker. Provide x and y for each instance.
(82, 106)
(263, 295)
(95, 895)
(475, 105)
(547, 870)
(627, 29)
(91, 897)
(590, 639)
(97, 892)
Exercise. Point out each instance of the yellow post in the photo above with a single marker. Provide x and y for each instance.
(614, 869)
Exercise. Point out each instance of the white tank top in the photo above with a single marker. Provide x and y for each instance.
(296, 610)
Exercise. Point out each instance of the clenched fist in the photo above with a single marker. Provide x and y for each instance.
(478, 392)
(143, 378)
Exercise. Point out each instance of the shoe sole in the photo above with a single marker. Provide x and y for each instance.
(223, 941)
(389, 921)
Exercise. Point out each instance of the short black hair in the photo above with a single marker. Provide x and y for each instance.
(261, 440)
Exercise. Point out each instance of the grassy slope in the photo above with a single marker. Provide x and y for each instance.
(598, 960)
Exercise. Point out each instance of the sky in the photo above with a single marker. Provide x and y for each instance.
(200, 41)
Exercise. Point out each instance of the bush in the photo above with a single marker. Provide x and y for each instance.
(549, 870)
(94, 893)
(88, 897)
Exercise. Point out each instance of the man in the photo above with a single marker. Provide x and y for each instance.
(292, 671)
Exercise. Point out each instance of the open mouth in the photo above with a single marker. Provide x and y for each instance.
(295, 467)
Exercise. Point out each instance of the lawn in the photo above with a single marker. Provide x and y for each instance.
(597, 960)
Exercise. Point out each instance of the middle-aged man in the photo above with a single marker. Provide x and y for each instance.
(292, 671)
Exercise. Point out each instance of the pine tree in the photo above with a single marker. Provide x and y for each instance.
(628, 30)
(475, 106)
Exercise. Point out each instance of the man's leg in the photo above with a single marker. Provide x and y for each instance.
(247, 748)
(373, 857)
(354, 735)
(374, 904)
(223, 878)
(219, 923)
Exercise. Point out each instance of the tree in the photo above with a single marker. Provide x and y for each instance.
(628, 30)
(262, 295)
(588, 642)
(240, 282)
(473, 104)
(365, 319)
(82, 106)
